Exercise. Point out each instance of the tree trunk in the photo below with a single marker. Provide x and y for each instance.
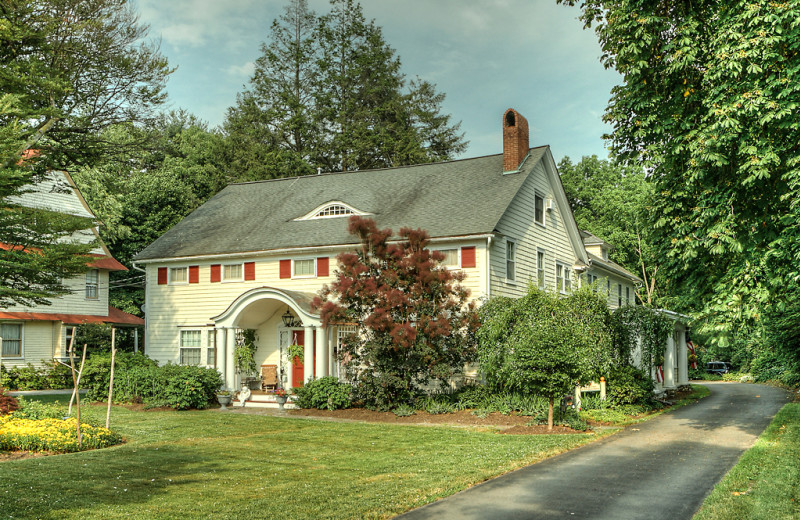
(550, 414)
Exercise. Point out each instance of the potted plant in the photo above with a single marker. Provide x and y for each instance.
(281, 397)
(224, 398)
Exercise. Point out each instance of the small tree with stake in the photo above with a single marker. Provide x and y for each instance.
(414, 324)
(544, 343)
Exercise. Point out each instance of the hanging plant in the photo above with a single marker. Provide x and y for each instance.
(296, 351)
(244, 354)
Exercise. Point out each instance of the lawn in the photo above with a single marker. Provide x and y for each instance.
(205, 464)
(765, 484)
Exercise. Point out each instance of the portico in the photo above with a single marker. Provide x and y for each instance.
(261, 309)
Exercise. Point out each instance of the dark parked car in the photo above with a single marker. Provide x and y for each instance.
(717, 367)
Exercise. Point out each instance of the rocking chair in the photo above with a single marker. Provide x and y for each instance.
(269, 377)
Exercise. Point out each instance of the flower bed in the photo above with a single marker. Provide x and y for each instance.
(53, 435)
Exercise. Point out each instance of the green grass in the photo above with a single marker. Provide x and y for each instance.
(211, 464)
(765, 484)
(632, 414)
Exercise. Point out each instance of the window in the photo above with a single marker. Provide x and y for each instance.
(179, 275)
(563, 282)
(334, 210)
(304, 268)
(538, 213)
(12, 339)
(627, 295)
(511, 262)
(91, 284)
(232, 273)
(69, 331)
(540, 268)
(190, 347)
(211, 351)
(619, 295)
(450, 258)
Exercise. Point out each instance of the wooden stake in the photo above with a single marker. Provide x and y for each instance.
(75, 383)
(111, 380)
(77, 398)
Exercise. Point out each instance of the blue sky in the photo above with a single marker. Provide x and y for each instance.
(485, 55)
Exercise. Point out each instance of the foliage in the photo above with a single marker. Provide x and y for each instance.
(404, 410)
(325, 393)
(52, 435)
(708, 105)
(543, 343)
(31, 408)
(629, 385)
(296, 352)
(414, 321)
(51, 376)
(244, 353)
(612, 201)
(632, 323)
(328, 91)
(8, 403)
(137, 378)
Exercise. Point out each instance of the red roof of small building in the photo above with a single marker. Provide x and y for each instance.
(115, 317)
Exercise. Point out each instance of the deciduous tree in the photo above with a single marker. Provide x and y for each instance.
(413, 322)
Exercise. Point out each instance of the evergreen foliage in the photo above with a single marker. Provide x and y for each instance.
(328, 92)
(414, 322)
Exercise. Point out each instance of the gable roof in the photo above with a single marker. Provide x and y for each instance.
(449, 199)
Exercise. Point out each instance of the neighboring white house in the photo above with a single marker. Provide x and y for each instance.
(255, 255)
(41, 333)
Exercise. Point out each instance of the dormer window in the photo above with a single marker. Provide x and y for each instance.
(332, 209)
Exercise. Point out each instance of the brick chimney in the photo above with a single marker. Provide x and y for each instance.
(515, 140)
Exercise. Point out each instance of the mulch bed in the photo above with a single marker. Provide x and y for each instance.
(510, 424)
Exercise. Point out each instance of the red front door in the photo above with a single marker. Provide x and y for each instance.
(298, 337)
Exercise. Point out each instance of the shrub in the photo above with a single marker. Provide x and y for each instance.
(325, 393)
(8, 403)
(629, 385)
(138, 378)
(54, 435)
(404, 410)
(38, 410)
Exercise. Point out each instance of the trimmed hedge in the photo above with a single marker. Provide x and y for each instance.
(325, 393)
(53, 376)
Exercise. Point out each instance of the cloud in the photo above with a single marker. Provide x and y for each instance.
(242, 71)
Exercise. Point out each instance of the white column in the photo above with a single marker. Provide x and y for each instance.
(683, 358)
(322, 351)
(289, 371)
(308, 354)
(669, 362)
(136, 340)
(221, 355)
(230, 370)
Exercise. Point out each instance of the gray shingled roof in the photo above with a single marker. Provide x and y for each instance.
(452, 198)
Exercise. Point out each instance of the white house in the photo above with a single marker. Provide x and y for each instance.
(254, 255)
(42, 333)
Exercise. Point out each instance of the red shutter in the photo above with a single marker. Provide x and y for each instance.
(162, 276)
(216, 273)
(286, 269)
(249, 271)
(322, 266)
(468, 257)
(194, 274)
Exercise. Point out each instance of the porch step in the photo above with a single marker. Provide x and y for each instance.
(262, 400)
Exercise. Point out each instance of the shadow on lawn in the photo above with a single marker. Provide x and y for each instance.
(96, 481)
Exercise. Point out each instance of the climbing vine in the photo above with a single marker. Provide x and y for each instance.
(244, 355)
(633, 322)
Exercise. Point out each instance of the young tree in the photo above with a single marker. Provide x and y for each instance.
(708, 105)
(414, 323)
(543, 343)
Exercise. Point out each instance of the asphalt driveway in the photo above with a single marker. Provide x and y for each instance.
(660, 469)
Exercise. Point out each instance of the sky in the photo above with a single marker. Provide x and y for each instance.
(485, 55)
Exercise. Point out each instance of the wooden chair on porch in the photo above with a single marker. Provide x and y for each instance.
(269, 377)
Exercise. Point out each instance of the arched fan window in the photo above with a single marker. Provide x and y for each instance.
(332, 209)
